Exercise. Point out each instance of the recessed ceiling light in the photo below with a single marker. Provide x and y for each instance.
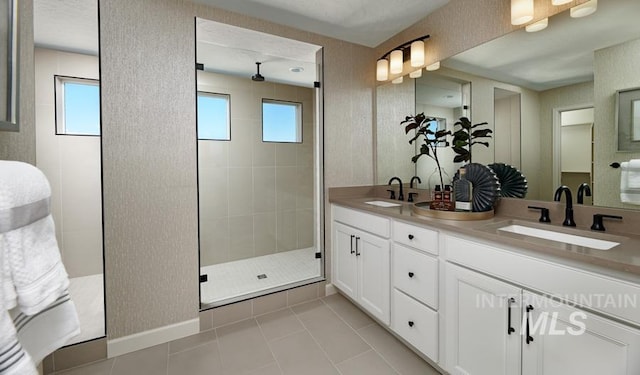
(296, 69)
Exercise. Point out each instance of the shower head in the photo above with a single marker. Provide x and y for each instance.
(257, 77)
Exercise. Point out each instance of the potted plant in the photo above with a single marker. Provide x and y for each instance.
(431, 139)
(465, 137)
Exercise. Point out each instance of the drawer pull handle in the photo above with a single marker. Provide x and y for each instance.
(411, 324)
(529, 338)
(352, 237)
(411, 236)
(357, 252)
(510, 329)
(411, 274)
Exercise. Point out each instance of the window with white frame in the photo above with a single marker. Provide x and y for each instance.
(77, 106)
(281, 121)
(214, 119)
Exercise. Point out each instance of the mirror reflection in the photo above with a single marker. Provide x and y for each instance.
(259, 142)
(575, 65)
(67, 92)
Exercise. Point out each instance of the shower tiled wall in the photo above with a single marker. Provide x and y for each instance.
(255, 198)
(71, 164)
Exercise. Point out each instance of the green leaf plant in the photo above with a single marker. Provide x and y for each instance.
(465, 137)
(431, 139)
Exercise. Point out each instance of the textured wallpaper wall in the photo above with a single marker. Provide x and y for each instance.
(149, 164)
(21, 145)
(580, 94)
(393, 151)
(615, 68)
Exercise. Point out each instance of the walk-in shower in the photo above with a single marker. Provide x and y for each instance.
(67, 105)
(259, 163)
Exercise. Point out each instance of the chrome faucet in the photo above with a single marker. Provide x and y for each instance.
(568, 212)
(413, 179)
(400, 194)
(583, 190)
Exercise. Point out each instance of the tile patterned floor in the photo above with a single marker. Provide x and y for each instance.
(324, 336)
(240, 277)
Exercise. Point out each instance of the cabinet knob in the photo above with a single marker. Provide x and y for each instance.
(411, 274)
(411, 236)
(411, 323)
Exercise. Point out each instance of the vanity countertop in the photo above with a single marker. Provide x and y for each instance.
(623, 258)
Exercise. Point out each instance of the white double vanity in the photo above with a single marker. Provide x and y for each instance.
(473, 303)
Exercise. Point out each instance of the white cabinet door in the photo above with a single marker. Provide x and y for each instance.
(566, 340)
(374, 280)
(345, 271)
(479, 340)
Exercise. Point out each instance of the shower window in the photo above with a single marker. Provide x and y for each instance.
(281, 121)
(77, 106)
(214, 120)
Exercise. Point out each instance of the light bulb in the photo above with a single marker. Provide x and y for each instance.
(417, 53)
(382, 70)
(537, 26)
(396, 62)
(521, 11)
(584, 9)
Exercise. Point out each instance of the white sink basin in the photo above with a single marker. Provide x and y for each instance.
(383, 204)
(560, 237)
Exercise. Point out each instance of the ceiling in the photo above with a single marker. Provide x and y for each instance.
(72, 25)
(559, 55)
(68, 25)
(366, 22)
(234, 50)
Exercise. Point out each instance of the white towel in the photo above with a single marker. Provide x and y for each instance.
(50, 329)
(32, 254)
(13, 359)
(633, 173)
(630, 182)
(33, 279)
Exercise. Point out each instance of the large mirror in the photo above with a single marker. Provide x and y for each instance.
(68, 150)
(549, 96)
(259, 136)
(9, 65)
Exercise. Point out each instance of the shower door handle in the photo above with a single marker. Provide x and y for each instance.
(352, 237)
(357, 252)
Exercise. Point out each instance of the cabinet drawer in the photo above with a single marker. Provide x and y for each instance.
(371, 223)
(417, 237)
(416, 323)
(416, 274)
(588, 289)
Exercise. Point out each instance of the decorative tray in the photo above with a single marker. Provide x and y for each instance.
(422, 209)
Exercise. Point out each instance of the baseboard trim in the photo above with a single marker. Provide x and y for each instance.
(329, 289)
(156, 336)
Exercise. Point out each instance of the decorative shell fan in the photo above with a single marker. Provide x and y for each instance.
(513, 184)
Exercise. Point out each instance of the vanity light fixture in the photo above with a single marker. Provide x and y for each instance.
(382, 70)
(416, 73)
(434, 66)
(397, 80)
(560, 2)
(395, 66)
(417, 53)
(584, 9)
(521, 11)
(537, 26)
(392, 62)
